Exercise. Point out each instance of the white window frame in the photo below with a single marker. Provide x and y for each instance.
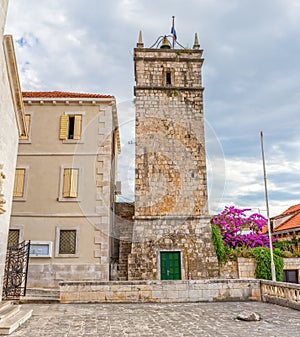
(21, 231)
(41, 243)
(28, 141)
(61, 184)
(26, 168)
(57, 239)
(76, 141)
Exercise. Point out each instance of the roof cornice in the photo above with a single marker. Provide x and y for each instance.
(14, 83)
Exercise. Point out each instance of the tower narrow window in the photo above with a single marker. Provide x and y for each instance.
(168, 78)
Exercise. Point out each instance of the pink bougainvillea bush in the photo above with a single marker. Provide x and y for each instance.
(239, 230)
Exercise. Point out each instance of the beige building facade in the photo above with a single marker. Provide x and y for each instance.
(11, 127)
(65, 186)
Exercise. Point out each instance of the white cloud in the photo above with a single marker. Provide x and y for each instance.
(251, 75)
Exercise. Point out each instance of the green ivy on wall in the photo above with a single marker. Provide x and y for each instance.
(261, 255)
(263, 259)
(218, 244)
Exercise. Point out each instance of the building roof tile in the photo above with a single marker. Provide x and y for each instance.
(292, 209)
(291, 223)
(293, 220)
(61, 94)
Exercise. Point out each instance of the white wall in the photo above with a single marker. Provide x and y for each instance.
(8, 143)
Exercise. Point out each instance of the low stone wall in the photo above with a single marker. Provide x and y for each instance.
(160, 291)
(229, 270)
(243, 268)
(281, 293)
(246, 268)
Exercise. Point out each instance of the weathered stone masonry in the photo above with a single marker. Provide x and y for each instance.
(170, 178)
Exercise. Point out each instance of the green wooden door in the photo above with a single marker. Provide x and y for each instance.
(170, 266)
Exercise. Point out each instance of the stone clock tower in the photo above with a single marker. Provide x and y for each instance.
(171, 232)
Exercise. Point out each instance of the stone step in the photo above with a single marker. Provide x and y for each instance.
(42, 292)
(41, 300)
(8, 309)
(11, 322)
(4, 305)
(41, 295)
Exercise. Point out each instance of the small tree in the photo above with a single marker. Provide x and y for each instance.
(239, 230)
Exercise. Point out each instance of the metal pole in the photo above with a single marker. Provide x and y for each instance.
(173, 32)
(267, 205)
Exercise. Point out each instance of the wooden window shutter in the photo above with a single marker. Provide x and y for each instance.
(77, 127)
(19, 183)
(27, 121)
(74, 184)
(70, 183)
(66, 183)
(64, 121)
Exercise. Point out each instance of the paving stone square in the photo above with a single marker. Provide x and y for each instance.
(215, 319)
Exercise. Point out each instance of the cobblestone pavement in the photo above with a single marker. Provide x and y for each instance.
(147, 319)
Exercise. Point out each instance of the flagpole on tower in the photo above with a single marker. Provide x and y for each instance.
(173, 30)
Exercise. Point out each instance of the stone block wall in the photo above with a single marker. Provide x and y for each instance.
(170, 164)
(123, 233)
(160, 291)
(170, 151)
(184, 66)
(229, 270)
(246, 268)
(49, 275)
(190, 236)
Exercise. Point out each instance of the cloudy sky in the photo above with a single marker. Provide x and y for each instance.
(251, 76)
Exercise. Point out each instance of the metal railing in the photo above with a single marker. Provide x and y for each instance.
(16, 268)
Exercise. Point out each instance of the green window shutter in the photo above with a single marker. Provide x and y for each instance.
(64, 122)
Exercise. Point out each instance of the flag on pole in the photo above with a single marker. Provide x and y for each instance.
(173, 31)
